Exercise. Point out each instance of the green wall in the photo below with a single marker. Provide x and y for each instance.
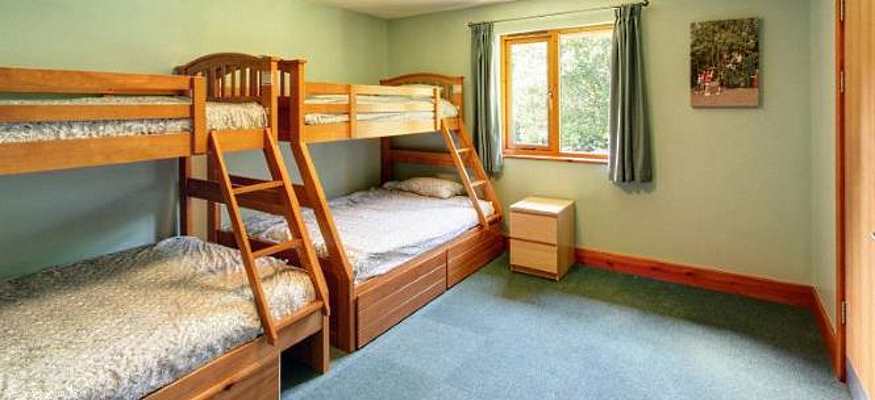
(749, 191)
(823, 245)
(56, 218)
(733, 187)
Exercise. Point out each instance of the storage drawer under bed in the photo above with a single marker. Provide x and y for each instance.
(380, 307)
(471, 252)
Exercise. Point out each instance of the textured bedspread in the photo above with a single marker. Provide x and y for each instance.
(381, 229)
(447, 109)
(220, 116)
(123, 325)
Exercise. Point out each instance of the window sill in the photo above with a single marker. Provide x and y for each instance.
(584, 160)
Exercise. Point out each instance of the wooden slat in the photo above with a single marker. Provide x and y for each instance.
(20, 158)
(42, 113)
(340, 88)
(326, 88)
(326, 108)
(268, 201)
(257, 187)
(369, 129)
(325, 133)
(242, 140)
(26, 80)
(422, 157)
(344, 108)
(300, 190)
(375, 129)
(394, 90)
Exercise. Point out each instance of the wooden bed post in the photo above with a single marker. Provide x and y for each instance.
(270, 90)
(386, 162)
(339, 268)
(185, 221)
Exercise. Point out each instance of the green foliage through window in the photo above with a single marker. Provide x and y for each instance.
(580, 63)
(585, 92)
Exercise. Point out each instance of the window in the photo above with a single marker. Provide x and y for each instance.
(556, 92)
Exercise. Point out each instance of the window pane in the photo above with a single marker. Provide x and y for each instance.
(584, 86)
(530, 120)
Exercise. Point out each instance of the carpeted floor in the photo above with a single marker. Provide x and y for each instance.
(594, 335)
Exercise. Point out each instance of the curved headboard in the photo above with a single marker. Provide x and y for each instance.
(232, 75)
(451, 86)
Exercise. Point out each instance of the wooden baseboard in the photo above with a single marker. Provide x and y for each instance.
(793, 294)
(711, 279)
(826, 331)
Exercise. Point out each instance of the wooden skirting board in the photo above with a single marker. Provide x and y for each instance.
(712, 279)
(826, 330)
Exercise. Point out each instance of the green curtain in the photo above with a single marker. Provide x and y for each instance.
(630, 158)
(485, 124)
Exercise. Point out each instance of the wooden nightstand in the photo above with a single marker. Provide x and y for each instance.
(542, 236)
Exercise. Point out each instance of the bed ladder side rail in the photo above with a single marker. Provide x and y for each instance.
(299, 241)
(343, 293)
(466, 157)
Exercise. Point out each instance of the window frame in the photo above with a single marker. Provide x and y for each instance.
(552, 150)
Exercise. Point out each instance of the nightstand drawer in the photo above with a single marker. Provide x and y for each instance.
(542, 257)
(537, 228)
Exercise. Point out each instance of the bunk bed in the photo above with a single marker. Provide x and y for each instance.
(174, 320)
(362, 309)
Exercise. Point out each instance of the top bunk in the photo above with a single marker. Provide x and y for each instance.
(314, 112)
(58, 119)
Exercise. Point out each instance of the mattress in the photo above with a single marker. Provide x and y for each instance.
(123, 325)
(381, 229)
(446, 109)
(220, 116)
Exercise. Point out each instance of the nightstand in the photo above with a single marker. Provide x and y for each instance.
(542, 236)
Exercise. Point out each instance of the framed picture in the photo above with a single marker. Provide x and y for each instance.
(725, 63)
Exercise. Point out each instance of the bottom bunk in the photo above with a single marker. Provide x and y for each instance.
(171, 320)
(405, 249)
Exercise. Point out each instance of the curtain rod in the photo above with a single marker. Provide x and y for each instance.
(643, 3)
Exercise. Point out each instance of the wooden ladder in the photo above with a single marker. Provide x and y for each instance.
(466, 157)
(299, 242)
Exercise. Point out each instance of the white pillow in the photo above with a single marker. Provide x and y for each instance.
(430, 187)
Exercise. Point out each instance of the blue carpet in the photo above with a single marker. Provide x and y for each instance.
(594, 335)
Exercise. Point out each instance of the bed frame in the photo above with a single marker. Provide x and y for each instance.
(251, 370)
(362, 312)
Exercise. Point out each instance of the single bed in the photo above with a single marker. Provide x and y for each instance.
(220, 116)
(124, 325)
(381, 229)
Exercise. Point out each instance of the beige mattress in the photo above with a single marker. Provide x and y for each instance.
(381, 229)
(220, 116)
(446, 109)
(123, 325)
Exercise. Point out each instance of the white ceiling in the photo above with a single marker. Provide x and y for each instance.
(406, 8)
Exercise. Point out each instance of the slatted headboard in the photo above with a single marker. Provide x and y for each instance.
(451, 86)
(232, 76)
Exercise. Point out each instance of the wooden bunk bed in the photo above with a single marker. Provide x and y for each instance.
(250, 369)
(361, 312)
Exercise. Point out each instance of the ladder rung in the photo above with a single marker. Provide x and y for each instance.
(463, 150)
(257, 187)
(478, 183)
(277, 248)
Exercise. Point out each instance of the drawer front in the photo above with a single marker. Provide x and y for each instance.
(542, 257)
(538, 228)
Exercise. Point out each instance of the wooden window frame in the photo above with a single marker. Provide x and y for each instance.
(552, 150)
